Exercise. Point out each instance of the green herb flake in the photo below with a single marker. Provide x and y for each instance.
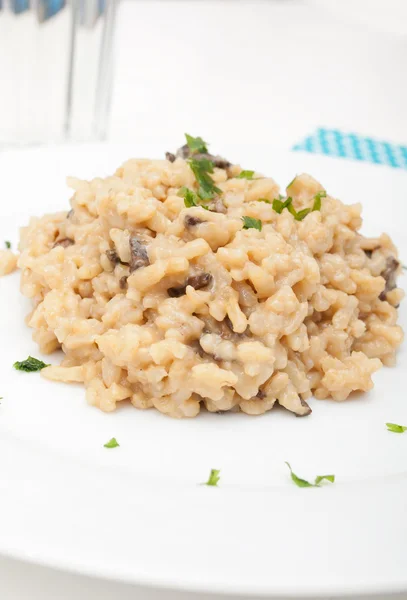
(297, 480)
(279, 206)
(292, 211)
(291, 182)
(190, 198)
(196, 144)
(204, 164)
(300, 215)
(264, 200)
(245, 175)
(213, 477)
(30, 365)
(251, 223)
(330, 478)
(304, 483)
(206, 186)
(8, 245)
(394, 428)
(317, 200)
(113, 443)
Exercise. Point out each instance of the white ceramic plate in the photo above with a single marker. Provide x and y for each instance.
(137, 513)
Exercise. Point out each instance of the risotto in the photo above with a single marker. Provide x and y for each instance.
(186, 283)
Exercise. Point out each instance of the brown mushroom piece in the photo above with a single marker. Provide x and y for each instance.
(65, 242)
(222, 328)
(389, 274)
(185, 153)
(226, 329)
(113, 257)
(138, 254)
(170, 156)
(190, 221)
(198, 282)
(123, 282)
(370, 252)
(307, 410)
(296, 405)
(217, 205)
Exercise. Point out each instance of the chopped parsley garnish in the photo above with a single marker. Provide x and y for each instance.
(291, 182)
(279, 206)
(113, 443)
(317, 200)
(190, 198)
(264, 200)
(245, 175)
(393, 427)
(196, 144)
(8, 245)
(213, 477)
(30, 365)
(251, 223)
(319, 478)
(206, 186)
(304, 483)
(300, 215)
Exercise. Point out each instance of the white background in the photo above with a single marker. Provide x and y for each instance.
(258, 70)
(266, 72)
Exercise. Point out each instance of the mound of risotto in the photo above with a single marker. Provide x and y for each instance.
(189, 282)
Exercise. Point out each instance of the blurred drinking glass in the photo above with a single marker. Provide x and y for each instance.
(55, 70)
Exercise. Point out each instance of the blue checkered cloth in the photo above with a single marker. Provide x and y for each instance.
(333, 142)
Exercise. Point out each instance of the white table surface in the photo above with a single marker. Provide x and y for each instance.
(255, 70)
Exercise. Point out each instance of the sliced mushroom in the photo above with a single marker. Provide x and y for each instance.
(200, 281)
(123, 282)
(222, 328)
(306, 407)
(170, 156)
(370, 251)
(296, 405)
(190, 221)
(138, 254)
(217, 205)
(218, 327)
(390, 276)
(219, 161)
(113, 257)
(65, 242)
(185, 153)
(196, 281)
(227, 328)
